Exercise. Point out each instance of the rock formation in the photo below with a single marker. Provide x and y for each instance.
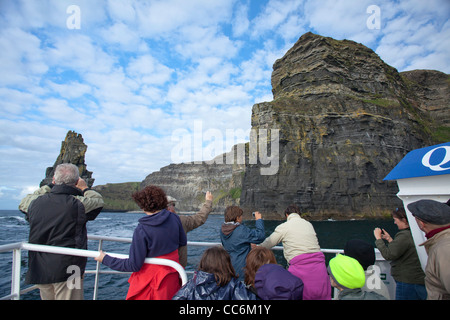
(188, 183)
(345, 118)
(72, 151)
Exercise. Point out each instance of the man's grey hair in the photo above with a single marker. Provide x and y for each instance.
(67, 173)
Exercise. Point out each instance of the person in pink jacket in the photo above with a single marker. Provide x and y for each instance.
(302, 251)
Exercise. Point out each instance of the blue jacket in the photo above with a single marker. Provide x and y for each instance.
(203, 286)
(157, 234)
(236, 239)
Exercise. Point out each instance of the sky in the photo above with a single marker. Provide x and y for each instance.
(149, 83)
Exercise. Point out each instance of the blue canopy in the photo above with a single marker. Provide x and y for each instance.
(424, 162)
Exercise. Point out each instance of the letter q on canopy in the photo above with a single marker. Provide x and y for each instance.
(422, 174)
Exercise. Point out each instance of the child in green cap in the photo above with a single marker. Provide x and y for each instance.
(347, 275)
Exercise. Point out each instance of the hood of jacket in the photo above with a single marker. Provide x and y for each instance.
(273, 282)
(228, 227)
(155, 219)
(203, 286)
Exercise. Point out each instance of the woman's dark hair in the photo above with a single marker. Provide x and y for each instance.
(292, 209)
(255, 259)
(399, 213)
(151, 199)
(232, 213)
(217, 261)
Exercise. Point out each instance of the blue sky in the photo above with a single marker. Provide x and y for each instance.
(136, 75)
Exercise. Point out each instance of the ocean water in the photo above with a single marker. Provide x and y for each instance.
(14, 228)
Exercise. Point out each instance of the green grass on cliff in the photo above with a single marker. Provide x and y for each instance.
(117, 196)
(441, 134)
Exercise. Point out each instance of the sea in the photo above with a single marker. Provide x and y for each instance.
(14, 228)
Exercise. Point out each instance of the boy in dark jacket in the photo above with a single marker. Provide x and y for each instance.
(237, 238)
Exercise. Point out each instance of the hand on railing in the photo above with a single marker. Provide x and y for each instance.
(100, 256)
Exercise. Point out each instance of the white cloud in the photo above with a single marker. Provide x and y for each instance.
(162, 17)
(14, 103)
(79, 53)
(415, 36)
(341, 19)
(70, 90)
(148, 71)
(123, 35)
(197, 42)
(58, 110)
(22, 62)
(240, 22)
(276, 13)
(25, 191)
(122, 10)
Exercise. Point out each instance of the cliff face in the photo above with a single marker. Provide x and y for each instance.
(432, 90)
(345, 118)
(73, 150)
(188, 183)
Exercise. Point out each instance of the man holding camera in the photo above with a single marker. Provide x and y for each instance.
(58, 214)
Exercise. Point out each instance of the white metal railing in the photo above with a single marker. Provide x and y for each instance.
(18, 246)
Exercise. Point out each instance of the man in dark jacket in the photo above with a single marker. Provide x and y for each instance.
(57, 215)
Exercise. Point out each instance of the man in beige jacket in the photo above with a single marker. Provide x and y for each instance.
(297, 235)
(191, 222)
(433, 218)
(302, 251)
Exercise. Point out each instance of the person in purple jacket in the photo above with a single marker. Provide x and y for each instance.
(158, 235)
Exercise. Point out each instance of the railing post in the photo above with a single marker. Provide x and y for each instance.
(15, 274)
(97, 272)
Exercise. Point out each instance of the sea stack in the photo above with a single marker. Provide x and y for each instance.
(73, 150)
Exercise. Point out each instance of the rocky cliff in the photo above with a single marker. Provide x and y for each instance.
(431, 90)
(117, 196)
(188, 182)
(73, 150)
(345, 118)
